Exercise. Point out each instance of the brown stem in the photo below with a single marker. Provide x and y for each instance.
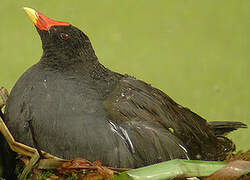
(1, 115)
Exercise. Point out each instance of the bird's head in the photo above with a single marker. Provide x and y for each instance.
(60, 40)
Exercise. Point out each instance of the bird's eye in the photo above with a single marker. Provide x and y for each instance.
(64, 36)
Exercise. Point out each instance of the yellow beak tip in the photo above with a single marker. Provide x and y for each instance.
(31, 14)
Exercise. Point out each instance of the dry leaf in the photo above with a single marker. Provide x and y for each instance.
(94, 171)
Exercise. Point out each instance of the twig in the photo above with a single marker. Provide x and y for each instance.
(4, 96)
(30, 166)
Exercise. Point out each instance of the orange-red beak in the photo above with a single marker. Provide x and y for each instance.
(42, 22)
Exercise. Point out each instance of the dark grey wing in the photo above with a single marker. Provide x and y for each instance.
(138, 102)
(147, 121)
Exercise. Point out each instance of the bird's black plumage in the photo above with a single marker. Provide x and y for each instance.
(79, 108)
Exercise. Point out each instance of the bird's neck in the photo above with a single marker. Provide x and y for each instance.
(67, 59)
(90, 69)
(84, 64)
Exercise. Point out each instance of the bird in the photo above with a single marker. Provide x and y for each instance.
(79, 108)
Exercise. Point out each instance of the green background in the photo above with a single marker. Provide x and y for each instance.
(195, 51)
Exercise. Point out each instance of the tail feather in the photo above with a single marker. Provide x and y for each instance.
(222, 128)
